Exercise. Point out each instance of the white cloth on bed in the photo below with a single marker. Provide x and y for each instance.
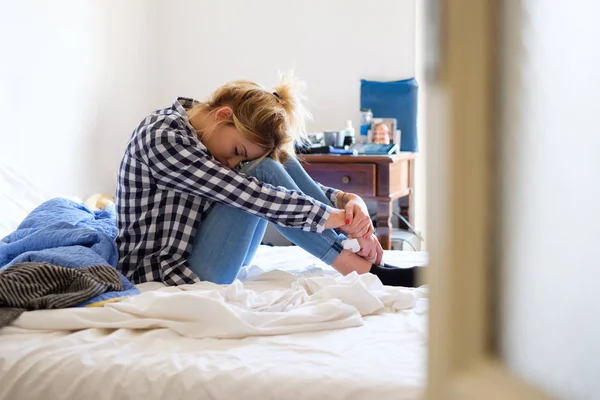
(384, 358)
(279, 303)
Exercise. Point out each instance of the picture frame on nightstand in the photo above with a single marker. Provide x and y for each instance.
(384, 131)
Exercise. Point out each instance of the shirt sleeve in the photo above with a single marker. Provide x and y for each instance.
(178, 163)
(331, 193)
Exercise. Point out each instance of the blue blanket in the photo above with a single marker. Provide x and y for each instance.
(68, 234)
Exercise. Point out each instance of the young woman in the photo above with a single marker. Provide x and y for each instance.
(200, 180)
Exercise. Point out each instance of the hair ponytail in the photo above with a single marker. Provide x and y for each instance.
(290, 91)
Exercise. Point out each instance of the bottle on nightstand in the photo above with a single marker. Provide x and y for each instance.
(365, 124)
(349, 135)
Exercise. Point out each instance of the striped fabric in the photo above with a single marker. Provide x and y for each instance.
(37, 286)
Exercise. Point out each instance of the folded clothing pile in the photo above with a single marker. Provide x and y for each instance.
(37, 286)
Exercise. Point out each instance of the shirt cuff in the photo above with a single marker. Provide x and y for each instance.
(333, 196)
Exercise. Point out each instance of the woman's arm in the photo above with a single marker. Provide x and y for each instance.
(177, 163)
(338, 198)
(332, 194)
(357, 222)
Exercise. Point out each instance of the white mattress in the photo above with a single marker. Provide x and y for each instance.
(382, 359)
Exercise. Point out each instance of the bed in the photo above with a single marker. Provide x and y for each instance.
(384, 358)
(377, 356)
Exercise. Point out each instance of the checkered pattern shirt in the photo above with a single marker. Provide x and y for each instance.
(167, 183)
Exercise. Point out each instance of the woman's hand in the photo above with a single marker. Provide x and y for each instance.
(336, 219)
(370, 249)
(358, 222)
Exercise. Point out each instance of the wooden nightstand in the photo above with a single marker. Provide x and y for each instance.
(379, 178)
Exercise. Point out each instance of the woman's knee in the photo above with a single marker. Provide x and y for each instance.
(264, 169)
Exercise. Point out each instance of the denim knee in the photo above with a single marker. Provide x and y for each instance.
(262, 170)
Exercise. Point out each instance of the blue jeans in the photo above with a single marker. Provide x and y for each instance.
(227, 239)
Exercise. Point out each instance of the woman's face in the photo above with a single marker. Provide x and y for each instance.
(227, 145)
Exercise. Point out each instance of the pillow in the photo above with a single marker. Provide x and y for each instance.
(18, 197)
(394, 100)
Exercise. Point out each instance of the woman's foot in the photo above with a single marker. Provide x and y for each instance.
(389, 275)
(393, 276)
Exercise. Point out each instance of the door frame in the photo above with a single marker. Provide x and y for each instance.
(463, 112)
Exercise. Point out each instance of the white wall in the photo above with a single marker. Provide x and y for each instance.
(75, 79)
(550, 319)
(331, 45)
(77, 76)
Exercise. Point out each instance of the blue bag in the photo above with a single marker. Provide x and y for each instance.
(398, 100)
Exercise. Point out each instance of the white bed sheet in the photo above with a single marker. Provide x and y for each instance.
(383, 359)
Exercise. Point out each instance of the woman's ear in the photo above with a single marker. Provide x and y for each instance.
(223, 113)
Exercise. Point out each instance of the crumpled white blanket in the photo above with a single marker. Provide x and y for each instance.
(273, 304)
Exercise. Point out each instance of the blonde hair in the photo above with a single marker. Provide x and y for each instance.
(274, 120)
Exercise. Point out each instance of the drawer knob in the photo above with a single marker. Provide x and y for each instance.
(346, 179)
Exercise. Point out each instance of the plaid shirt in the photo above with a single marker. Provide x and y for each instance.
(167, 183)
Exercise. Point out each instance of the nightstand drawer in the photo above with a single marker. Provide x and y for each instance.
(353, 178)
